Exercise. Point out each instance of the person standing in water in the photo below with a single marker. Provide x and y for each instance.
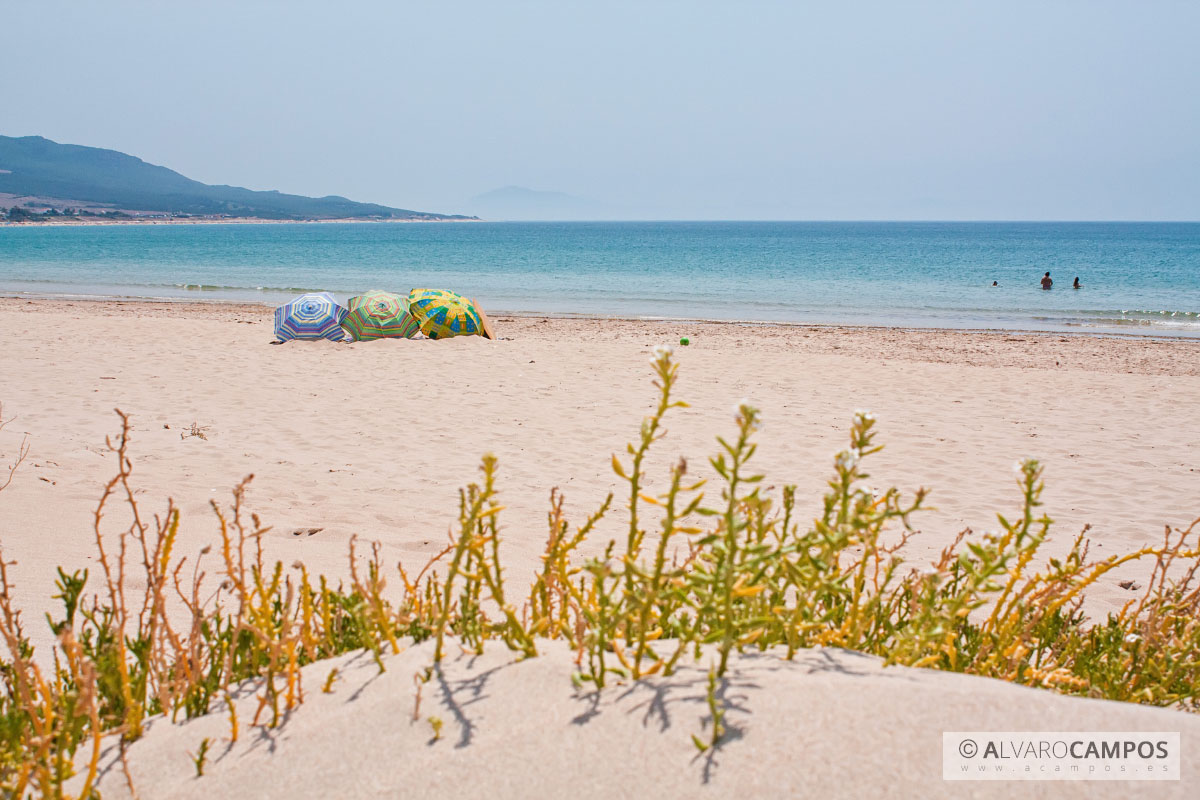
(1046, 282)
(1076, 284)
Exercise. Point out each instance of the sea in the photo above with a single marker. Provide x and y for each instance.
(1137, 278)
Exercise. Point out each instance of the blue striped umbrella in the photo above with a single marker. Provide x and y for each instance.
(310, 316)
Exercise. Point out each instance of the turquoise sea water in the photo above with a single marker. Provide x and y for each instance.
(1137, 277)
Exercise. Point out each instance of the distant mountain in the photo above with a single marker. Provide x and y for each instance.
(65, 174)
(519, 203)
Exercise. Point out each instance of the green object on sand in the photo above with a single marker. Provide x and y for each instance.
(379, 315)
(685, 341)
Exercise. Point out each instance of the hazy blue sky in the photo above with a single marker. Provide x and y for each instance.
(765, 110)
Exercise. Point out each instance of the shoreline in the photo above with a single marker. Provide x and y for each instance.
(216, 302)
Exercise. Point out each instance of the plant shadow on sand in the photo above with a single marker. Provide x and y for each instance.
(659, 700)
(448, 692)
(685, 690)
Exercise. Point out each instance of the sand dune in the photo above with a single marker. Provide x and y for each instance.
(831, 723)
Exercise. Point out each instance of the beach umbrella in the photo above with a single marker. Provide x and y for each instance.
(378, 315)
(310, 316)
(443, 314)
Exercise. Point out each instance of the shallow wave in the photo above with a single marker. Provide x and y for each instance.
(1193, 314)
(209, 287)
(82, 289)
(1175, 319)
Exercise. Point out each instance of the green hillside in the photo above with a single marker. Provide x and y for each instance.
(35, 166)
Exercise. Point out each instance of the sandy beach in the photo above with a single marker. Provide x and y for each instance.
(374, 439)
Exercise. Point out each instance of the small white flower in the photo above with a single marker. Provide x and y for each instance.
(663, 351)
(744, 410)
(928, 572)
(1020, 464)
(864, 414)
(1132, 638)
(848, 459)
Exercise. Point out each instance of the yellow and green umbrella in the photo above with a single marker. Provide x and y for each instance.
(443, 314)
(379, 315)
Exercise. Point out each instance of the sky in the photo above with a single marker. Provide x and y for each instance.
(642, 110)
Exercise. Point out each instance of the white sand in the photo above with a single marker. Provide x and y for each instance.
(830, 724)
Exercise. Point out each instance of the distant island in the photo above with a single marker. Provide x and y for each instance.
(521, 203)
(46, 182)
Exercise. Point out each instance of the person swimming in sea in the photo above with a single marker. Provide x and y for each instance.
(1076, 284)
(995, 283)
(1046, 282)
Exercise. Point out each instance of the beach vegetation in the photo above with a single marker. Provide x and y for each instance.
(702, 571)
(200, 757)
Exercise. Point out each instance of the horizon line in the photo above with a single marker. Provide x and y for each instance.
(880, 220)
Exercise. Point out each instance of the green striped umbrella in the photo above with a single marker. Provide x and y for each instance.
(379, 315)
